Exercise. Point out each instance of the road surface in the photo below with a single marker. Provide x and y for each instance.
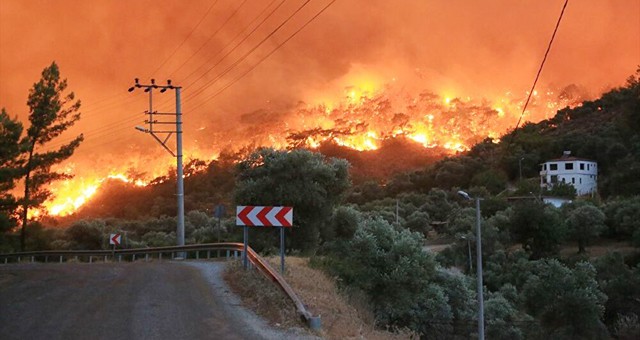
(169, 300)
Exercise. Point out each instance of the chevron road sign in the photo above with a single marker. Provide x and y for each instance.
(115, 239)
(255, 216)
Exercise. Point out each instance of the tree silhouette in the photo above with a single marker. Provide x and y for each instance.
(50, 114)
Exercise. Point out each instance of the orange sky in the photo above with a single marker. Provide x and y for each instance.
(453, 48)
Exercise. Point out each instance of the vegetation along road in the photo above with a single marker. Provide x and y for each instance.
(119, 301)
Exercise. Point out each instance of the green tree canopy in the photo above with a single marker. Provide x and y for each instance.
(310, 183)
(584, 223)
(568, 302)
(540, 228)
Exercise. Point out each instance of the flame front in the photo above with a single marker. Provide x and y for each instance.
(71, 194)
(362, 120)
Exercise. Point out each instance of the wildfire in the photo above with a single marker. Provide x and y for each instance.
(364, 117)
(71, 194)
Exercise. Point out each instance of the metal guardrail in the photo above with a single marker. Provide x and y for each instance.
(258, 262)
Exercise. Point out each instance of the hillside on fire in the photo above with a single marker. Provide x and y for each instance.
(605, 129)
(366, 216)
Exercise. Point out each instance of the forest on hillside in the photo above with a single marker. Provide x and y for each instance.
(368, 228)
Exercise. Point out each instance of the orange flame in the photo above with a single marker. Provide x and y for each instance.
(364, 117)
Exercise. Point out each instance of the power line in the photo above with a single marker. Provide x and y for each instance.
(229, 43)
(243, 57)
(108, 129)
(265, 57)
(210, 37)
(102, 130)
(234, 38)
(540, 69)
(186, 38)
(129, 99)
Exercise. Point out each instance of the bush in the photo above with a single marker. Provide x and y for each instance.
(86, 235)
(399, 278)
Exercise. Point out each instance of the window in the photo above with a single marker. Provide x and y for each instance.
(554, 179)
(573, 180)
(581, 166)
(568, 166)
(553, 167)
(580, 180)
(563, 181)
(544, 167)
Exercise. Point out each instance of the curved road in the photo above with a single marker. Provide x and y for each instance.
(168, 300)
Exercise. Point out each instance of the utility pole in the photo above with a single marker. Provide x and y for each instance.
(478, 265)
(152, 123)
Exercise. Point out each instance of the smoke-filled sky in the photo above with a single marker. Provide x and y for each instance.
(455, 48)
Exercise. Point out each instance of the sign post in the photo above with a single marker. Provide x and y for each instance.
(258, 216)
(245, 260)
(282, 250)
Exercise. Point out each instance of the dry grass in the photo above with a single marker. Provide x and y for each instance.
(343, 317)
(262, 296)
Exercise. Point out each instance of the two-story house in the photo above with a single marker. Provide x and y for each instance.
(579, 172)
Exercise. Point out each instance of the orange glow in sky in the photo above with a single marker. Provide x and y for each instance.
(441, 73)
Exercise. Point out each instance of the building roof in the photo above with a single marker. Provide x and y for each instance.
(570, 159)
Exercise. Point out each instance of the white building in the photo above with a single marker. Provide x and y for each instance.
(579, 172)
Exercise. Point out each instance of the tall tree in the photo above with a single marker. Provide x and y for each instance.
(312, 184)
(10, 131)
(585, 223)
(540, 228)
(51, 112)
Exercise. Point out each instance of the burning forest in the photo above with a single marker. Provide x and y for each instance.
(304, 74)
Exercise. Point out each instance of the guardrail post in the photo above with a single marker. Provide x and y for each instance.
(228, 254)
(105, 259)
(5, 260)
(32, 259)
(133, 258)
(18, 259)
(208, 254)
(119, 258)
(76, 257)
(60, 258)
(315, 323)
(160, 256)
(146, 257)
(90, 259)
(197, 254)
(46, 259)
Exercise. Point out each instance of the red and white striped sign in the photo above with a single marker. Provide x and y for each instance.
(264, 216)
(115, 239)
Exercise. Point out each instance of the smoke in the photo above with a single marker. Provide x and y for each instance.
(455, 49)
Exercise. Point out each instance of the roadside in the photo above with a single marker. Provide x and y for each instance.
(343, 316)
(233, 306)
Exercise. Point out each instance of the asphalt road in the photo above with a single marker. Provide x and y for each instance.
(114, 301)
